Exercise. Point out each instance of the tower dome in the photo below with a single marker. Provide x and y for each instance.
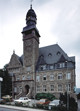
(31, 17)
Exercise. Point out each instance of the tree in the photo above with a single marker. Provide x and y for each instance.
(6, 84)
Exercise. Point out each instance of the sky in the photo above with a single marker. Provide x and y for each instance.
(58, 22)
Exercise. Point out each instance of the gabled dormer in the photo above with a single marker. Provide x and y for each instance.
(62, 62)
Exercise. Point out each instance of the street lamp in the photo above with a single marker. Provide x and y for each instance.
(67, 88)
(34, 84)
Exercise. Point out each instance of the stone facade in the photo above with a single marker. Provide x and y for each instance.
(55, 81)
(40, 69)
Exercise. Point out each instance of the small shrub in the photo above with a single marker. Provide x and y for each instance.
(34, 105)
(3, 102)
(18, 104)
(48, 96)
(7, 100)
(46, 106)
(39, 105)
(78, 96)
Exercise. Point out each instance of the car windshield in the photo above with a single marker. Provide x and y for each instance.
(21, 98)
(7, 96)
(42, 100)
(55, 101)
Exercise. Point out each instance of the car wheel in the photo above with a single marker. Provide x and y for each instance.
(21, 103)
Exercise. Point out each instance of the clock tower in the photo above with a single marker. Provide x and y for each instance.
(30, 41)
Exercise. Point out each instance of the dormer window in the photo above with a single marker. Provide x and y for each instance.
(49, 55)
(41, 56)
(42, 67)
(61, 65)
(51, 67)
(58, 53)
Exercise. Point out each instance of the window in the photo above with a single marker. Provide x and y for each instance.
(28, 77)
(28, 68)
(68, 75)
(44, 77)
(42, 67)
(38, 88)
(52, 77)
(69, 87)
(59, 76)
(23, 78)
(37, 78)
(61, 65)
(51, 67)
(58, 53)
(17, 78)
(44, 88)
(52, 87)
(15, 89)
(20, 88)
(41, 57)
(49, 55)
(59, 87)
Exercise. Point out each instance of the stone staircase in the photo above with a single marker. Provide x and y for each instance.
(23, 94)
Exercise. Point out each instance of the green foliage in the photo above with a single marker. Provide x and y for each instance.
(18, 104)
(78, 96)
(3, 102)
(72, 102)
(45, 96)
(6, 84)
(8, 100)
(46, 107)
(39, 105)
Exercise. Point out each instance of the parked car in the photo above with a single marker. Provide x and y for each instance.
(7, 97)
(54, 103)
(22, 100)
(43, 101)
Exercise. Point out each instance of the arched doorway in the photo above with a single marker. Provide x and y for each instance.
(27, 89)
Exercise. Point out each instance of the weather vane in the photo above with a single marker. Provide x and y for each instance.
(31, 3)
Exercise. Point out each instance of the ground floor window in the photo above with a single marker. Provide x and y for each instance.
(69, 87)
(37, 78)
(38, 88)
(52, 87)
(20, 88)
(15, 89)
(59, 87)
(44, 88)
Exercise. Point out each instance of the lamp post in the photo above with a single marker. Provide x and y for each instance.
(67, 88)
(34, 84)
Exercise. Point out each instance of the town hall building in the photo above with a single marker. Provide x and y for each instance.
(47, 69)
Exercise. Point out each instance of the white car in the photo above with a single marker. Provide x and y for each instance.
(22, 100)
(54, 103)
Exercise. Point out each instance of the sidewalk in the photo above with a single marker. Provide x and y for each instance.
(21, 108)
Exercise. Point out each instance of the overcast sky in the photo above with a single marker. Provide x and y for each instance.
(58, 21)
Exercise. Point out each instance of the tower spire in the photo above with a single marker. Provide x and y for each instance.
(31, 4)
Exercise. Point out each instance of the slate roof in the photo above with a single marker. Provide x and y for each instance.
(55, 52)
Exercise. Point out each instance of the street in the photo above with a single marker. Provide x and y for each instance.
(5, 109)
(15, 108)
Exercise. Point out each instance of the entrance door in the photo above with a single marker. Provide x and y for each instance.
(27, 89)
